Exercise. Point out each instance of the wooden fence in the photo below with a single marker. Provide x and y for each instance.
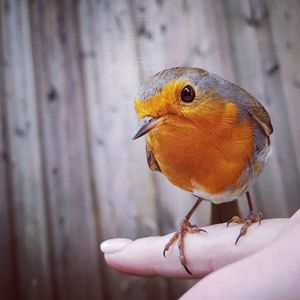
(70, 175)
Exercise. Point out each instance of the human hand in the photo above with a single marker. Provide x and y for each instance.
(263, 265)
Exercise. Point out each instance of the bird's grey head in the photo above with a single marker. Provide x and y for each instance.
(156, 83)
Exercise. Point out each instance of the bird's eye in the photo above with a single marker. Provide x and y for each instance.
(187, 94)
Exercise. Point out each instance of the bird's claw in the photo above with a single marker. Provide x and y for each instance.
(251, 218)
(184, 227)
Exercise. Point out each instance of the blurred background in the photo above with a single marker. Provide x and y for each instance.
(70, 175)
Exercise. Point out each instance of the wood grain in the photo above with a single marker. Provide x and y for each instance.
(126, 194)
(247, 63)
(74, 260)
(285, 25)
(7, 257)
(274, 95)
(26, 186)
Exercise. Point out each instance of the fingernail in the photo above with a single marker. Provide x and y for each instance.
(114, 245)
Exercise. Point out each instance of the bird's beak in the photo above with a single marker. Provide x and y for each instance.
(145, 125)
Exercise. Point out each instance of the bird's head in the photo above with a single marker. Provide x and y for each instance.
(172, 95)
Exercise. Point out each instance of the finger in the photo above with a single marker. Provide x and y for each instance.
(205, 252)
(293, 221)
(268, 274)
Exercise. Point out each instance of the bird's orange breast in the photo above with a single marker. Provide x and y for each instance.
(208, 152)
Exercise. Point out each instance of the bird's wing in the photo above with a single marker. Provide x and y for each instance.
(258, 112)
(152, 162)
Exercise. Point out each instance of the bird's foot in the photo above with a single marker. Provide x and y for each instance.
(247, 222)
(184, 227)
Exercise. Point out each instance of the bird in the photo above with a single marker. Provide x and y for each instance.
(207, 136)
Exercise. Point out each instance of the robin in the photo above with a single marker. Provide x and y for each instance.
(207, 136)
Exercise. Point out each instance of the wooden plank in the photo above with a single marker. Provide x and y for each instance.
(26, 185)
(125, 193)
(7, 276)
(285, 23)
(177, 33)
(273, 93)
(75, 258)
(247, 61)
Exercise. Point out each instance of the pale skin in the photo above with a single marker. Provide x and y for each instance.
(265, 264)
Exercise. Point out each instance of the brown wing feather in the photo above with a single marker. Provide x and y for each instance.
(261, 116)
(152, 162)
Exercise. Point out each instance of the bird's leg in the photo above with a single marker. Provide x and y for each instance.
(253, 217)
(184, 227)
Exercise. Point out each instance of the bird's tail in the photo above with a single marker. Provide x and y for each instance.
(224, 212)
